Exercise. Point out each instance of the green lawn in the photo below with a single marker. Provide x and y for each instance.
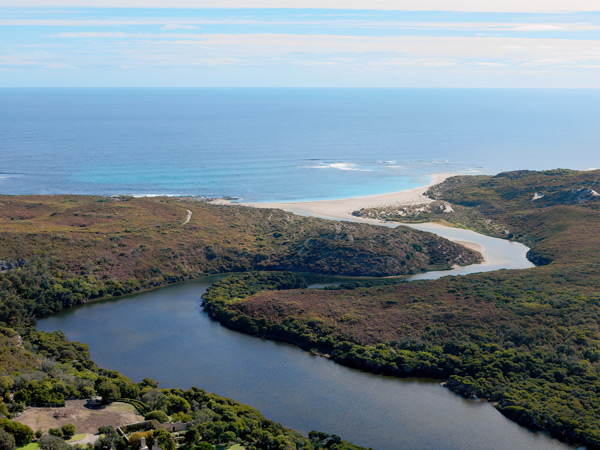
(30, 446)
(77, 437)
(233, 447)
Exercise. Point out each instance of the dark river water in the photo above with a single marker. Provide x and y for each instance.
(163, 334)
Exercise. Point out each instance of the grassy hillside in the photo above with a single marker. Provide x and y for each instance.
(59, 251)
(527, 340)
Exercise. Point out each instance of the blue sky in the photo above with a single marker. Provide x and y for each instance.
(399, 43)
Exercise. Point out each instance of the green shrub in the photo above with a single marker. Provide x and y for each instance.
(68, 430)
(55, 432)
(161, 416)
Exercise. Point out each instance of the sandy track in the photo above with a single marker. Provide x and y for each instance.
(189, 216)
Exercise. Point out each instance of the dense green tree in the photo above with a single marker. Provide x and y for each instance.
(176, 404)
(22, 433)
(68, 430)
(161, 416)
(192, 436)
(108, 391)
(50, 442)
(155, 399)
(164, 438)
(7, 441)
(111, 441)
(55, 432)
(148, 382)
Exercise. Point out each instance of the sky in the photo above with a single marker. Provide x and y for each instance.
(314, 43)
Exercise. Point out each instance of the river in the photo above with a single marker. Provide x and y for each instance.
(163, 334)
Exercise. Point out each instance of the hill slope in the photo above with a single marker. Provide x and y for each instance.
(527, 340)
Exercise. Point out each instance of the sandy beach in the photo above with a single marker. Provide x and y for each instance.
(343, 208)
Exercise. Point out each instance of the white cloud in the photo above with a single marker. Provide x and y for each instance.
(424, 47)
(539, 27)
(17, 60)
(177, 26)
(39, 59)
(408, 5)
(105, 34)
(337, 52)
(190, 23)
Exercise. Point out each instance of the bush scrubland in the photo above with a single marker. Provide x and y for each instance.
(61, 251)
(527, 340)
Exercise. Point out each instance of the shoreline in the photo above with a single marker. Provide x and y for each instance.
(342, 209)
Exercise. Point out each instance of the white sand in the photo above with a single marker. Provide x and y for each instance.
(343, 208)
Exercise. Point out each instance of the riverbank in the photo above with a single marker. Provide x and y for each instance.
(286, 384)
(494, 257)
(525, 340)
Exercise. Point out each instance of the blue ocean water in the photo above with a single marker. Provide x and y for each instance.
(283, 144)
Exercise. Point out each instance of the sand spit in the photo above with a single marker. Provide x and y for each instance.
(342, 209)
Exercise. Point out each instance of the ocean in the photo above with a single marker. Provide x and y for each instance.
(283, 144)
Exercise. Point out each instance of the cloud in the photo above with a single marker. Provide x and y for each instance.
(330, 22)
(490, 64)
(39, 59)
(336, 52)
(178, 26)
(539, 27)
(544, 6)
(17, 60)
(422, 47)
(104, 34)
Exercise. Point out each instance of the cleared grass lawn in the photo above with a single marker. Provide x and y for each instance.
(236, 447)
(123, 407)
(77, 437)
(30, 446)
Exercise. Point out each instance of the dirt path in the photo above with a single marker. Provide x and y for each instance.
(189, 216)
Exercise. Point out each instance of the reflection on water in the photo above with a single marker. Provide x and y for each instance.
(164, 334)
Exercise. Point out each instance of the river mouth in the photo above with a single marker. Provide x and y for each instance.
(165, 335)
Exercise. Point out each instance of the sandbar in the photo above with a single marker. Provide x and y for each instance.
(341, 209)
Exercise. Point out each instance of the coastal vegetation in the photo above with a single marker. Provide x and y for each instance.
(60, 251)
(527, 340)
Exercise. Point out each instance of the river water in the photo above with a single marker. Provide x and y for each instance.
(163, 334)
